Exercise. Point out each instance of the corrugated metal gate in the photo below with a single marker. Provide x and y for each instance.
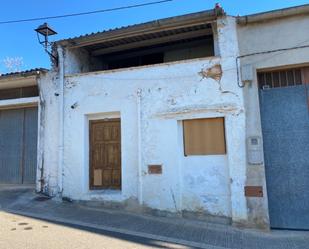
(18, 145)
(285, 124)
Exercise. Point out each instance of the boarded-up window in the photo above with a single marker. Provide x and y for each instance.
(204, 136)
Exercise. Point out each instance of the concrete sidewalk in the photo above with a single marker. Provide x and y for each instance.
(182, 231)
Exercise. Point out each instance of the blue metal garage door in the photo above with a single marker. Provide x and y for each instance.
(285, 124)
(18, 145)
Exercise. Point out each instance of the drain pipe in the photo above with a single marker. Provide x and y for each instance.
(61, 118)
(139, 149)
(41, 134)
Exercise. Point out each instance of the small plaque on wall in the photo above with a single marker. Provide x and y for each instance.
(155, 169)
(253, 191)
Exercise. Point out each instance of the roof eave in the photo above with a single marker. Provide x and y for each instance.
(33, 73)
(275, 14)
(149, 27)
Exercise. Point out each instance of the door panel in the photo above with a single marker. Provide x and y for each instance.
(285, 125)
(18, 145)
(30, 145)
(11, 136)
(105, 154)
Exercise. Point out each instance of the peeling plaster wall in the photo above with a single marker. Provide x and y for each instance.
(228, 48)
(206, 185)
(76, 61)
(276, 34)
(157, 98)
(152, 101)
(80, 61)
(48, 129)
(169, 94)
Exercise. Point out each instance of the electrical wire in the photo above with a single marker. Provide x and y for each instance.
(85, 13)
(282, 50)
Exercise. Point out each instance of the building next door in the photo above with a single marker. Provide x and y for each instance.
(105, 154)
(285, 127)
(18, 145)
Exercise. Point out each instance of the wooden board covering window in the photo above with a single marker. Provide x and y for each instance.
(204, 136)
(105, 154)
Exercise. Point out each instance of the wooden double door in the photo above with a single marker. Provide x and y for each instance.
(105, 154)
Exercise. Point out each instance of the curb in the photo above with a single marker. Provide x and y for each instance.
(115, 230)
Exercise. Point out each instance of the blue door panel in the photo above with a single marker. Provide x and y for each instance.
(285, 126)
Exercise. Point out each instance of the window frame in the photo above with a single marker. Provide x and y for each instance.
(223, 152)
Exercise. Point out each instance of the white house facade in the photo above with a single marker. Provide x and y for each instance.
(172, 117)
(129, 106)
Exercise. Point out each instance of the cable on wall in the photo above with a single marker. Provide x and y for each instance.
(259, 53)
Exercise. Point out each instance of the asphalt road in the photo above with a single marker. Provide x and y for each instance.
(19, 232)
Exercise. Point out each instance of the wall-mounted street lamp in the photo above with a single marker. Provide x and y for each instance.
(45, 31)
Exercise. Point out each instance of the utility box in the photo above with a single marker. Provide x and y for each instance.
(247, 73)
(254, 150)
